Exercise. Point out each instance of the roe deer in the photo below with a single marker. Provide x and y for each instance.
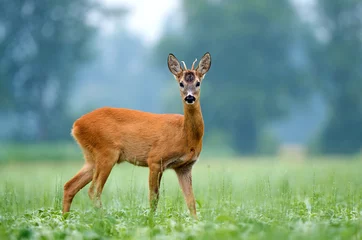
(158, 141)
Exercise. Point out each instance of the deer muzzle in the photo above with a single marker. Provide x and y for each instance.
(189, 99)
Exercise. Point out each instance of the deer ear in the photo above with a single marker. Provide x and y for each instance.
(204, 64)
(173, 65)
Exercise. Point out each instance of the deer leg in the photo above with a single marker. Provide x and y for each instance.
(91, 190)
(154, 181)
(185, 180)
(104, 165)
(74, 185)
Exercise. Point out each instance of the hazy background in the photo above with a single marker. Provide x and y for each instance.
(286, 75)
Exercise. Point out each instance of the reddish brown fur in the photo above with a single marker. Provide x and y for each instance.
(158, 141)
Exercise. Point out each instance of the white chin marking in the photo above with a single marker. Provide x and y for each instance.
(189, 103)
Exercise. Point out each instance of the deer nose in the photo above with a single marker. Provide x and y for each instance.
(190, 99)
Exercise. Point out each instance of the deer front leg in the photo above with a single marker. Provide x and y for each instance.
(185, 179)
(154, 180)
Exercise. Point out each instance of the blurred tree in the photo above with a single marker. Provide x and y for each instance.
(337, 62)
(257, 63)
(42, 44)
(117, 69)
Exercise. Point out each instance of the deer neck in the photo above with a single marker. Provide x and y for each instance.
(193, 122)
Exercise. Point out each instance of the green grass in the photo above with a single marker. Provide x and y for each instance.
(26, 152)
(249, 199)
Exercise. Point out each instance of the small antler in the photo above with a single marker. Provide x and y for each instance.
(184, 65)
(192, 68)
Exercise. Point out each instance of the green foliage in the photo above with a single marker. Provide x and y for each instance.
(42, 45)
(59, 151)
(268, 143)
(236, 200)
(254, 77)
(337, 62)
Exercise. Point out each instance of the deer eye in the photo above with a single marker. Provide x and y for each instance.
(198, 84)
(181, 85)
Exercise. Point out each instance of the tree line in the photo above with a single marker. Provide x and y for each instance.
(266, 59)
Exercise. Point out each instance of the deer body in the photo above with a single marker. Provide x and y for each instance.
(108, 136)
(137, 135)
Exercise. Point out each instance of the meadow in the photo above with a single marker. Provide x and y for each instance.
(252, 198)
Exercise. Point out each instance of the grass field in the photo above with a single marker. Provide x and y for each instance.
(249, 199)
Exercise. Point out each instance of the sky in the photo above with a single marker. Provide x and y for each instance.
(146, 18)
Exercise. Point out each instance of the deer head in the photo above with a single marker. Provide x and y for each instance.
(189, 80)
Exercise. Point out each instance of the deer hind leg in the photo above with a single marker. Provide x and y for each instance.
(103, 167)
(74, 185)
